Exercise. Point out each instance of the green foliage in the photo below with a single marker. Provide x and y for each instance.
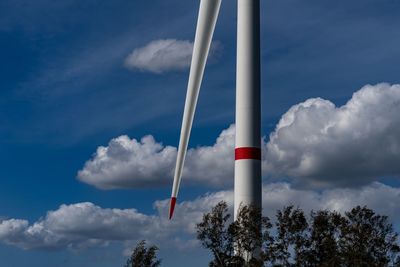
(217, 236)
(324, 239)
(367, 239)
(291, 227)
(237, 243)
(143, 257)
(325, 234)
(358, 238)
(249, 232)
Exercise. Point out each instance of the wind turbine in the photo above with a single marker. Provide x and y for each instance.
(248, 112)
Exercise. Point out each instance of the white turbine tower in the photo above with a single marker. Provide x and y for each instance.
(248, 113)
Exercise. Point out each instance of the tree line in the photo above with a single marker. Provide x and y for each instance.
(358, 237)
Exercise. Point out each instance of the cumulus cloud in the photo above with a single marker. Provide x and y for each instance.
(129, 163)
(86, 224)
(315, 144)
(378, 196)
(73, 226)
(321, 145)
(164, 55)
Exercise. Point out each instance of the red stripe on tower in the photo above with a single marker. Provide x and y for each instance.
(247, 153)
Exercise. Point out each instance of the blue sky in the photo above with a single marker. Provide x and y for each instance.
(68, 87)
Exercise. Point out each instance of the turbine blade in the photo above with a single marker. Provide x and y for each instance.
(172, 207)
(206, 21)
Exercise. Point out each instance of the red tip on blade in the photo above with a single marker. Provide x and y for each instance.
(172, 206)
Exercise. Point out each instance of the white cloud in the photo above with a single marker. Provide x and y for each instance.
(86, 225)
(163, 55)
(72, 226)
(212, 165)
(131, 163)
(321, 145)
(315, 143)
(380, 197)
(127, 162)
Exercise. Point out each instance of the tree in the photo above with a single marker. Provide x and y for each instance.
(291, 235)
(233, 244)
(143, 257)
(368, 239)
(215, 235)
(357, 238)
(250, 232)
(325, 232)
(326, 239)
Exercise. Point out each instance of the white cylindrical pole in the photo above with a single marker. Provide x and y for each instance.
(248, 107)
